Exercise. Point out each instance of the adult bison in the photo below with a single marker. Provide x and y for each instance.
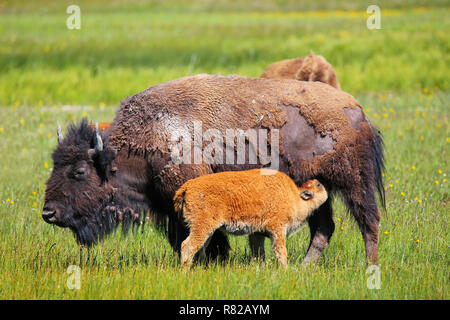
(101, 178)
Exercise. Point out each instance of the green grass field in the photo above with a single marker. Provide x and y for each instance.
(50, 75)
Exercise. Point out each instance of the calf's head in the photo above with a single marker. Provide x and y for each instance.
(313, 191)
(79, 188)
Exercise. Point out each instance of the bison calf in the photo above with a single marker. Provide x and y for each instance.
(259, 200)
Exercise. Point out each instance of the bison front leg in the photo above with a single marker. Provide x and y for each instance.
(321, 227)
(256, 241)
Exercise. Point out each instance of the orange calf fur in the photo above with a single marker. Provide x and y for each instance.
(244, 202)
(102, 126)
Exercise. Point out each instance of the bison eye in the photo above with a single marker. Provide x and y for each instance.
(80, 173)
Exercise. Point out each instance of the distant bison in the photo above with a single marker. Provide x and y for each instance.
(245, 202)
(103, 177)
(309, 68)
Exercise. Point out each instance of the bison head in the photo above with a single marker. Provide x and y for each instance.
(80, 194)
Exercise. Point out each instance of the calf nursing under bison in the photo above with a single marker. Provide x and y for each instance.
(103, 177)
(262, 201)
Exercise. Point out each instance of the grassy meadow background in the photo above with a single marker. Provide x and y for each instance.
(51, 75)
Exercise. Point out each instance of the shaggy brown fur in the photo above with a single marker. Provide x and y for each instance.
(324, 134)
(309, 68)
(245, 202)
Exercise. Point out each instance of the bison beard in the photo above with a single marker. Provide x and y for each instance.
(92, 229)
(324, 134)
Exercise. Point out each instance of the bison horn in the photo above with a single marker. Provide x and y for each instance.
(99, 143)
(60, 136)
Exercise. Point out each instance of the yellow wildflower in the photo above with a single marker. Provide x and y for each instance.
(413, 167)
(45, 165)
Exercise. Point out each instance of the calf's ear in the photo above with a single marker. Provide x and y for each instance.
(306, 194)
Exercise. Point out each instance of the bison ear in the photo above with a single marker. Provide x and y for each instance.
(306, 194)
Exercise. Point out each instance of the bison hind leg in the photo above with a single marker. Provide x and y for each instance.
(365, 211)
(256, 241)
(321, 226)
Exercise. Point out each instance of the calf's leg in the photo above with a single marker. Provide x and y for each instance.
(279, 247)
(194, 242)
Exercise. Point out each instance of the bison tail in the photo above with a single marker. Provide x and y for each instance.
(378, 164)
(316, 68)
